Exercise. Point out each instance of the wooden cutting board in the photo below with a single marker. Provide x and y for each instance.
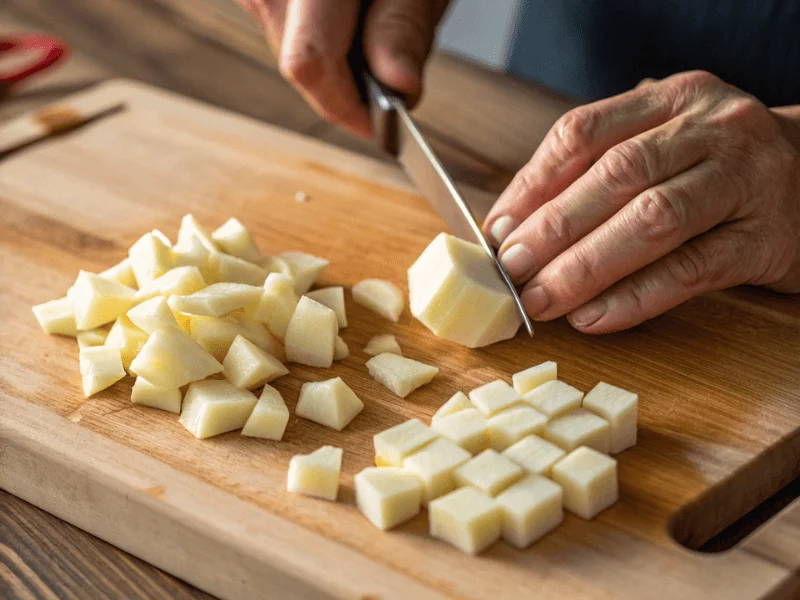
(718, 379)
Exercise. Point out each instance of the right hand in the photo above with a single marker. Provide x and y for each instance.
(311, 39)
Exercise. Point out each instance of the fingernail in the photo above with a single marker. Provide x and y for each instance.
(535, 301)
(518, 261)
(408, 62)
(588, 314)
(501, 229)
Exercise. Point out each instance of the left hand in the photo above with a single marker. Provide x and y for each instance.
(634, 204)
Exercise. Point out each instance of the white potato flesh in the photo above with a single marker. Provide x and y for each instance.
(580, 427)
(96, 300)
(191, 229)
(510, 426)
(381, 297)
(153, 314)
(311, 335)
(150, 258)
(147, 394)
(531, 378)
(101, 367)
(456, 291)
(56, 317)
(93, 337)
(340, 349)
(399, 374)
(435, 465)
(489, 472)
(193, 254)
(171, 358)
(589, 481)
(331, 403)
(458, 401)
(234, 239)
(180, 281)
(468, 428)
(216, 334)
(532, 508)
(226, 268)
(214, 407)
(269, 417)
(467, 519)
(248, 366)
(128, 338)
(619, 407)
(316, 474)
(383, 343)
(278, 303)
(333, 298)
(535, 454)
(306, 269)
(122, 272)
(554, 398)
(218, 299)
(393, 445)
(388, 496)
(493, 397)
(275, 264)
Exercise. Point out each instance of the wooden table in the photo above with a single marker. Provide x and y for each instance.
(485, 125)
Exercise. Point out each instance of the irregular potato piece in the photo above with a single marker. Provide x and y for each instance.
(180, 281)
(554, 398)
(316, 474)
(150, 258)
(531, 508)
(535, 455)
(275, 264)
(218, 299)
(589, 480)
(56, 317)
(101, 367)
(269, 418)
(216, 335)
(122, 272)
(458, 401)
(489, 472)
(306, 268)
(619, 407)
(96, 300)
(381, 297)
(248, 366)
(147, 394)
(340, 349)
(128, 338)
(213, 407)
(456, 291)
(399, 374)
(311, 335)
(226, 268)
(435, 465)
(193, 254)
(331, 403)
(235, 240)
(531, 378)
(190, 230)
(92, 337)
(510, 426)
(388, 496)
(468, 428)
(171, 358)
(580, 427)
(153, 314)
(278, 303)
(260, 336)
(383, 343)
(394, 444)
(333, 298)
(493, 397)
(467, 519)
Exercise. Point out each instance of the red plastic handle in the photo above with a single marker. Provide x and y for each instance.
(53, 49)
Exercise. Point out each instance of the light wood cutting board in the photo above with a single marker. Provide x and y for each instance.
(718, 379)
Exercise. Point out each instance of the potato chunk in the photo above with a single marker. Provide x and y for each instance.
(92, 337)
(618, 407)
(179, 281)
(216, 334)
(306, 268)
(394, 444)
(383, 343)
(468, 428)
(399, 374)
(435, 465)
(489, 472)
(531, 378)
(278, 303)
(467, 519)
(333, 298)
(101, 367)
(56, 317)
(580, 427)
(96, 300)
(311, 335)
(122, 272)
(171, 359)
(510, 426)
(458, 401)
(269, 418)
(340, 349)
(235, 240)
(535, 455)
(213, 407)
(153, 314)
(331, 403)
(589, 480)
(531, 508)
(248, 366)
(381, 297)
(150, 257)
(493, 397)
(218, 299)
(191, 229)
(147, 394)
(193, 254)
(388, 496)
(554, 398)
(316, 474)
(128, 338)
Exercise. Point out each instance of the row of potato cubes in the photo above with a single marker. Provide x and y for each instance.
(502, 461)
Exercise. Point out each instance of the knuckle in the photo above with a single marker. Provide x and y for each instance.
(573, 278)
(657, 215)
(626, 165)
(689, 266)
(572, 133)
(303, 62)
(699, 79)
(554, 226)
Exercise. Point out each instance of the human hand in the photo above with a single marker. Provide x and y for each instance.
(634, 204)
(311, 39)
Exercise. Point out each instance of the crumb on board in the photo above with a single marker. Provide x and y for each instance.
(301, 197)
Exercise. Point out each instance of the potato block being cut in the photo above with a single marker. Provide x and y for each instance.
(394, 444)
(150, 258)
(122, 272)
(56, 317)
(458, 401)
(580, 427)
(399, 374)
(619, 407)
(435, 465)
(128, 338)
(510, 426)
(333, 298)
(248, 366)
(381, 344)
(340, 349)
(96, 301)
(216, 334)
(153, 314)
(489, 472)
(467, 519)
(388, 496)
(468, 428)
(100, 367)
(535, 455)
(213, 407)
(232, 238)
(531, 508)
(331, 403)
(180, 281)
(269, 418)
(494, 397)
(311, 335)
(456, 291)
(226, 268)
(306, 268)
(316, 474)
(146, 394)
(381, 297)
(93, 337)
(554, 398)
(531, 378)
(190, 230)
(171, 358)
(589, 480)
(278, 303)
(218, 299)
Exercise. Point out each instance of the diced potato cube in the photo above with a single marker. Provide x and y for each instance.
(531, 378)
(467, 519)
(100, 367)
(489, 472)
(381, 297)
(435, 465)
(190, 230)
(235, 240)
(468, 428)
(269, 418)
(216, 335)
(96, 301)
(535, 455)
(171, 359)
(147, 394)
(213, 407)
(180, 281)
(153, 314)
(278, 303)
(399, 374)
(381, 344)
(122, 272)
(619, 407)
(306, 268)
(554, 398)
(92, 337)
(494, 397)
(226, 268)
(333, 298)
(456, 291)
(331, 403)
(316, 474)
(150, 258)
(510, 426)
(589, 480)
(388, 496)
(394, 444)
(311, 335)
(340, 349)
(218, 299)
(248, 366)
(128, 338)
(531, 508)
(458, 401)
(56, 317)
(580, 427)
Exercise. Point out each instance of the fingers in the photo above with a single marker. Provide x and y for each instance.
(313, 56)
(722, 258)
(272, 15)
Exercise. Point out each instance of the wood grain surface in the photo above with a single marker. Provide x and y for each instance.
(79, 201)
